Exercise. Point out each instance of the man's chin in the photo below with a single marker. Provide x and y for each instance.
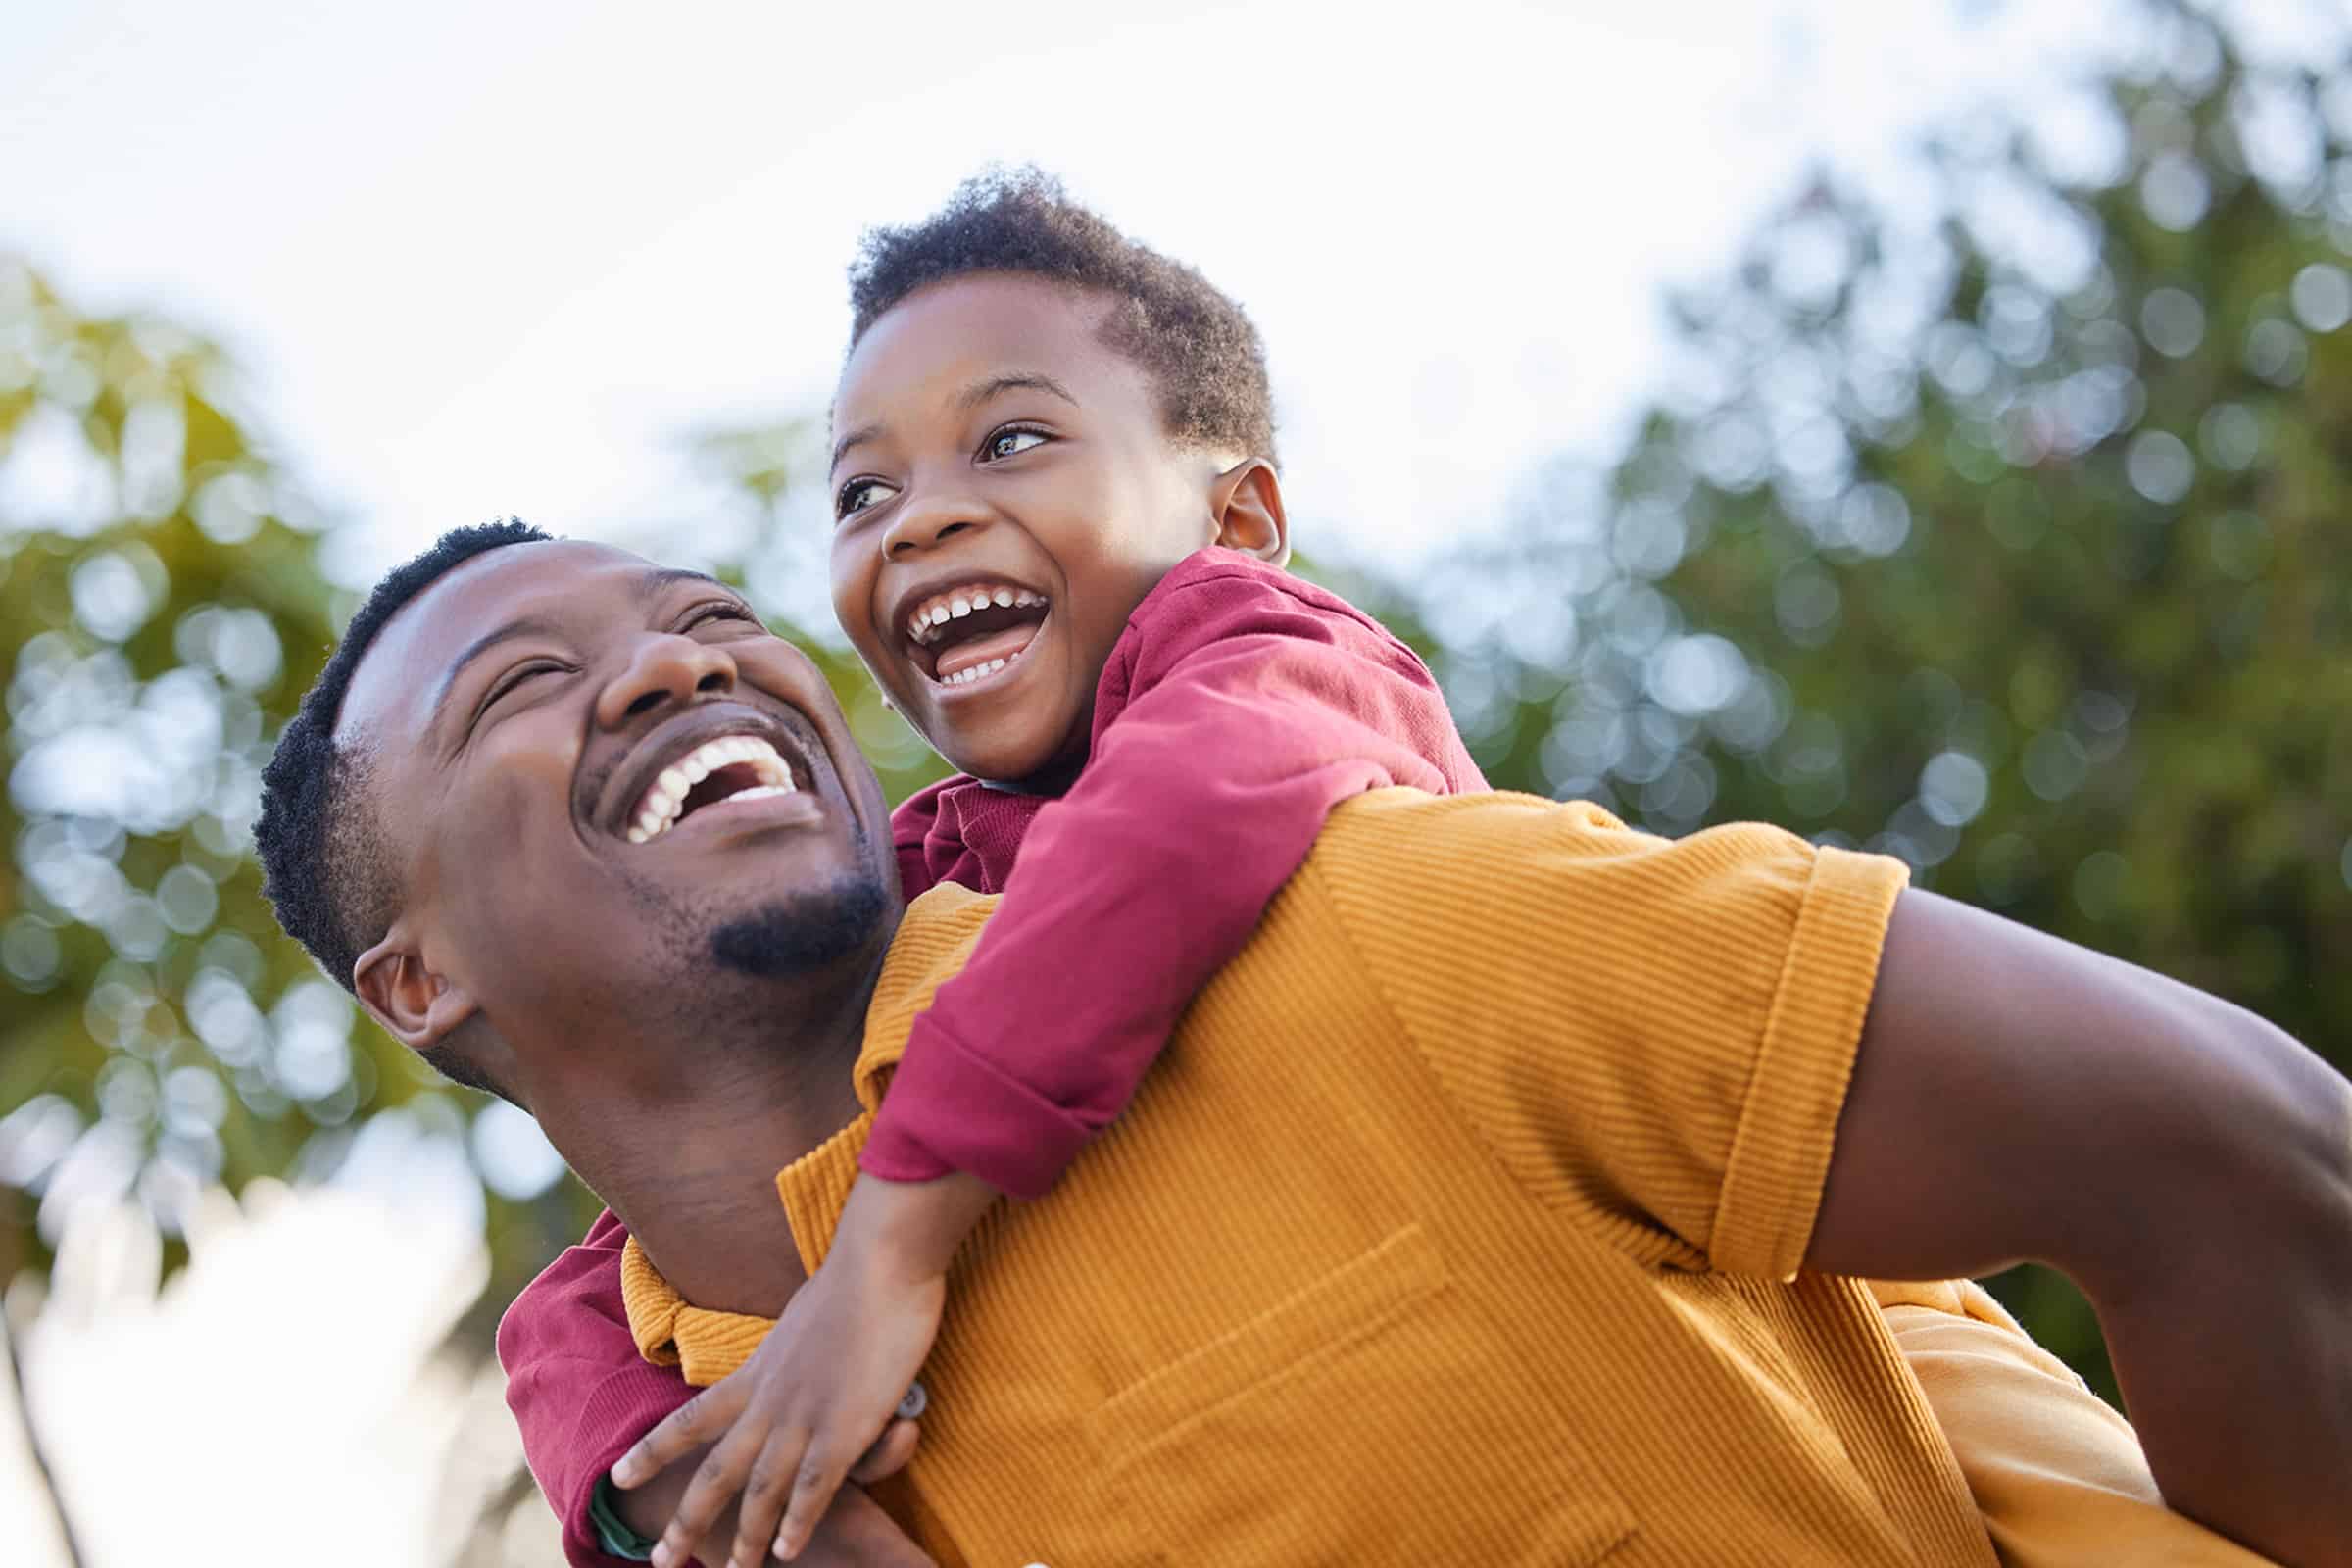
(804, 933)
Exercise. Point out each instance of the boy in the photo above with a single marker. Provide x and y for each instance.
(1017, 561)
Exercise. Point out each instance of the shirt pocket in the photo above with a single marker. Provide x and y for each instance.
(1371, 1416)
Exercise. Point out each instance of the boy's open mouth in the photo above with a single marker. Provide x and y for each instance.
(973, 631)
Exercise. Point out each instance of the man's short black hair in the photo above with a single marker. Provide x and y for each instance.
(1193, 342)
(323, 863)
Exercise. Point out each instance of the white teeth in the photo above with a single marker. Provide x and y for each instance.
(964, 677)
(665, 799)
(936, 613)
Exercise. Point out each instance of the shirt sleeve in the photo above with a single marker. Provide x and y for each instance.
(579, 1390)
(1243, 712)
(2058, 1474)
(1655, 1033)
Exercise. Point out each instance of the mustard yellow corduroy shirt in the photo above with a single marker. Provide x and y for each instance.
(1460, 1222)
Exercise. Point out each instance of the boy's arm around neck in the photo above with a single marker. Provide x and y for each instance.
(2016, 1096)
(1240, 708)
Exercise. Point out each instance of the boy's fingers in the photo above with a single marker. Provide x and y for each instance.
(813, 1487)
(716, 1482)
(889, 1454)
(763, 1503)
(689, 1426)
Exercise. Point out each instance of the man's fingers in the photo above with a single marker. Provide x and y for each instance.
(858, 1534)
(763, 1494)
(819, 1475)
(716, 1482)
(687, 1428)
(889, 1454)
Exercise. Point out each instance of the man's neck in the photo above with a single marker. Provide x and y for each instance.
(693, 1174)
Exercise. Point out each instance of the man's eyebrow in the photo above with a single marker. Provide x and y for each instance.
(650, 585)
(519, 626)
(971, 396)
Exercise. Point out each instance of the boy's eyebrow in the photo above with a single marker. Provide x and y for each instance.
(971, 396)
(979, 392)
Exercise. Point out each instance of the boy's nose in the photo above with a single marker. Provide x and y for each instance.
(925, 523)
(663, 667)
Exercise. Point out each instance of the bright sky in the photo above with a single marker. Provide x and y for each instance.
(499, 259)
(492, 259)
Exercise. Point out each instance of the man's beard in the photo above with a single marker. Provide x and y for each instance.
(803, 932)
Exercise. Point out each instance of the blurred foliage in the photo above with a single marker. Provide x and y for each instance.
(2004, 532)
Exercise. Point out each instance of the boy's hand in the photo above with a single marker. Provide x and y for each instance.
(823, 1384)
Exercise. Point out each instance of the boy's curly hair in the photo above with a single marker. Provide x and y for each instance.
(1194, 341)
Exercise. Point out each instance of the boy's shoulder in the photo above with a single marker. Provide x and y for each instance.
(1214, 582)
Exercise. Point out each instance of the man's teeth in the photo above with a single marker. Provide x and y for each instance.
(941, 609)
(659, 810)
(964, 677)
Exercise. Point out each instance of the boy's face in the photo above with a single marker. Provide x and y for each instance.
(1005, 493)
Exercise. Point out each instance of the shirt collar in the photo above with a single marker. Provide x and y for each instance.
(933, 940)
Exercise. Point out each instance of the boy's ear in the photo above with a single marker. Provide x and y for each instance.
(1246, 503)
(418, 1006)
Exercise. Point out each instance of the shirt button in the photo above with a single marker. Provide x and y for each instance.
(917, 1400)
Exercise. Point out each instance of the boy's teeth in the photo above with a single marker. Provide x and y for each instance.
(658, 811)
(961, 602)
(964, 677)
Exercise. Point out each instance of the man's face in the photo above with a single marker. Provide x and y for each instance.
(605, 786)
(1005, 494)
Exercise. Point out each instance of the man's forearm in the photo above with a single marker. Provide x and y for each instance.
(2189, 1165)
(2232, 1339)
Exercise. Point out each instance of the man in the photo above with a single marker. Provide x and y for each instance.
(1465, 1216)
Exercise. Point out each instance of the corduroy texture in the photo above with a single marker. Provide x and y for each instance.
(1454, 1225)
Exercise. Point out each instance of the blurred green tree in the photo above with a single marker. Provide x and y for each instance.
(2002, 530)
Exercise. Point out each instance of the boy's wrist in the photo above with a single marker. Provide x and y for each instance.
(911, 1227)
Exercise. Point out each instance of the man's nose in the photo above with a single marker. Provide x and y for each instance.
(663, 667)
(925, 520)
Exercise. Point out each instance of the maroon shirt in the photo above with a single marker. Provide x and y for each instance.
(1239, 706)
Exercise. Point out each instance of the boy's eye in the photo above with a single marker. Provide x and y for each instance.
(857, 496)
(1008, 443)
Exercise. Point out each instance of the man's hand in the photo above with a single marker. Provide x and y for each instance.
(855, 1533)
(821, 1386)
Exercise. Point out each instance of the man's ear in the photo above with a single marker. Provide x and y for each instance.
(416, 1005)
(1246, 503)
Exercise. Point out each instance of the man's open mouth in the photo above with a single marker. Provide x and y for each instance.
(735, 769)
(974, 629)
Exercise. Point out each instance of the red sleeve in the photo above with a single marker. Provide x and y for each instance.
(1240, 707)
(579, 1390)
